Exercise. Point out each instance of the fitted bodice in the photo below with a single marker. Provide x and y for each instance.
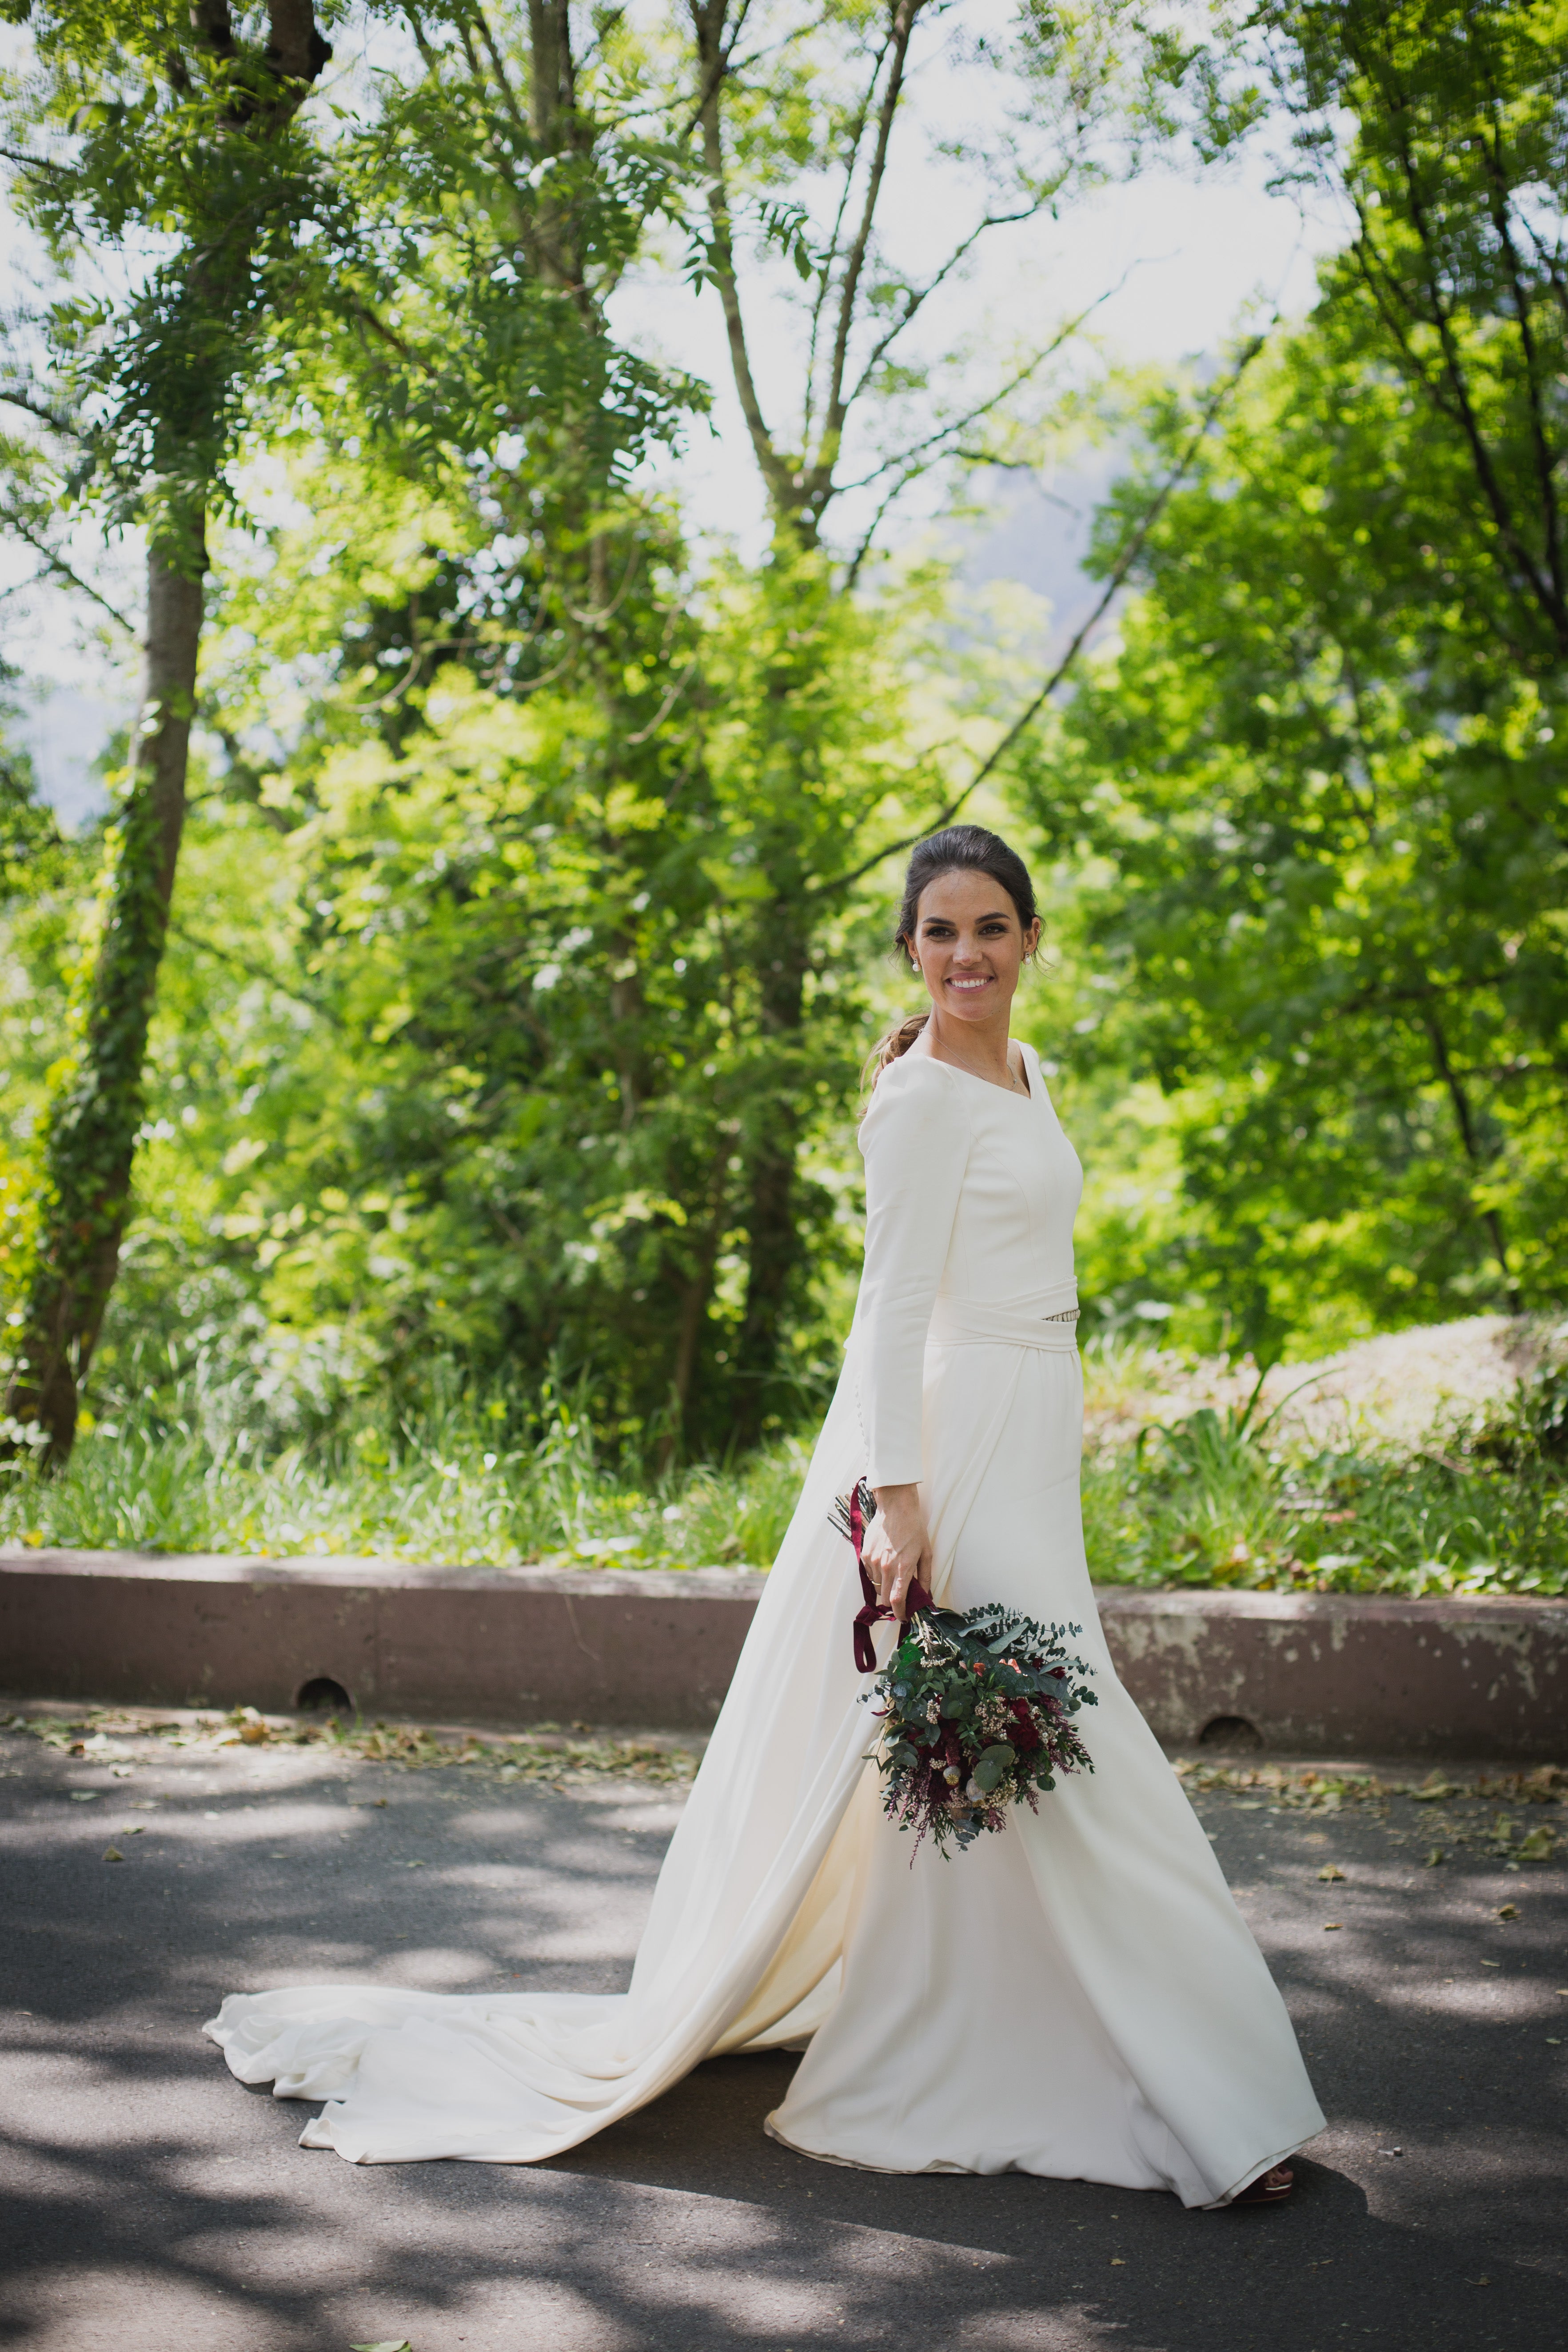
(971, 1192)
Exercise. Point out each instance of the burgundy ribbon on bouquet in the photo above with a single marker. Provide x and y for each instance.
(916, 1599)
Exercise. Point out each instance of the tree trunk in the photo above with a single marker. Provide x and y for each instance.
(694, 1305)
(775, 1247)
(1464, 1119)
(556, 129)
(91, 1136)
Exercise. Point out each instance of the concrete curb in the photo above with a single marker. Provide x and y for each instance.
(499, 1645)
(1335, 1673)
(1338, 1673)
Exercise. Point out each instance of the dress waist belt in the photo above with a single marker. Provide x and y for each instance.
(978, 1322)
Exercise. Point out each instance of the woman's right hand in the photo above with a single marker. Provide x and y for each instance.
(897, 1549)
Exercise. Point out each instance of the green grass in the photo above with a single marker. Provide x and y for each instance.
(1209, 1502)
(453, 1487)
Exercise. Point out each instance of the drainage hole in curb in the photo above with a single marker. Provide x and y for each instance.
(322, 1696)
(1230, 1731)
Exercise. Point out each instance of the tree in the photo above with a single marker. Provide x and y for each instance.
(1325, 764)
(487, 755)
(286, 251)
(140, 126)
(1457, 175)
(797, 127)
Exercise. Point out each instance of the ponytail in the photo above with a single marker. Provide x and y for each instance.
(890, 1048)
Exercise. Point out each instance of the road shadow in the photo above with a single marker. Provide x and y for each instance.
(154, 2205)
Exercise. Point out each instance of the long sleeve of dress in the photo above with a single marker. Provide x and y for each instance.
(915, 1142)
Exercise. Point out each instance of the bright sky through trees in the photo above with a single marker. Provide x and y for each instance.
(1183, 257)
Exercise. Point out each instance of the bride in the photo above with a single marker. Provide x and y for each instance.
(1077, 1996)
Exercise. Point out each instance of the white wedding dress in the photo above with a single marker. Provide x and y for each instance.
(1077, 1996)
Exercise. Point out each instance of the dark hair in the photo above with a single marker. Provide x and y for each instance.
(961, 849)
(964, 849)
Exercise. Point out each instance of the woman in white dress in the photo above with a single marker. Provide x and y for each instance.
(1076, 1996)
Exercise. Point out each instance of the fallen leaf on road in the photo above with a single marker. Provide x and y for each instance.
(1538, 1845)
(1391, 2151)
(1117, 2264)
(1434, 1858)
(83, 1796)
(1330, 1870)
(1508, 1910)
(402, 2345)
(1331, 1924)
(112, 1853)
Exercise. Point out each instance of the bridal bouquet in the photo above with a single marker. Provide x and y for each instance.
(976, 1709)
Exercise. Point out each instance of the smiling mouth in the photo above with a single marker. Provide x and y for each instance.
(984, 981)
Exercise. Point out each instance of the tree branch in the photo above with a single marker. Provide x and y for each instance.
(1464, 1120)
(723, 55)
(708, 17)
(929, 451)
(52, 417)
(1442, 319)
(830, 255)
(1552, 262)
(1129, 556)
(35, 163)
(1545, 465)
(253, 971)
(40, 547)
(502, 78)
(820, 472)
(918, 298)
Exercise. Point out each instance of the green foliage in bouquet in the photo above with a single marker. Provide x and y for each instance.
(977, 1711)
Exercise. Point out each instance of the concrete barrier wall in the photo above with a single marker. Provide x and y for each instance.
(504, 1645)
(1336, 1675)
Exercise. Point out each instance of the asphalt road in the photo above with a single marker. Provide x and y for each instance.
(151, 2204)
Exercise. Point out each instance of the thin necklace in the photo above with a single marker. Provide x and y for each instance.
(1016, 1086)
(1015, 1082)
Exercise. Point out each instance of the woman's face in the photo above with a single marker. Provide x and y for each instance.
(969, 946)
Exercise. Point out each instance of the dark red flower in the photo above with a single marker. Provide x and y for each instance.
(1025, 1738)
